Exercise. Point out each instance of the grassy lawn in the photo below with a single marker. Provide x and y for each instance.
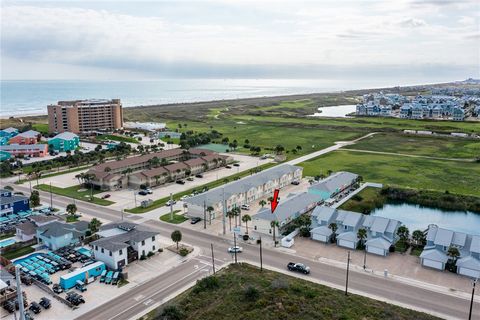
(116, 138)
(71, 219)
(73, 192)
(365, 201)
(59, 173)
(416, 251)
(40, 127)
(401, 246)
(161, 202)
(418, 145)
(456, 177)
(244, 292)
(177, 218)
(18, 253)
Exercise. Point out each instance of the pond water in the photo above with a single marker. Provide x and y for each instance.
(417, 217)
(335, 111)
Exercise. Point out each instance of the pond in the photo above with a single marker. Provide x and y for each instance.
(417, 217)
(335, 111)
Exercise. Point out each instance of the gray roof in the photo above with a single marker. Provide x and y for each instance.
(29, 134)
(42, 218)
(58, 229)
(65, 136)
(444, 237)
(469, 263)
(349, 236)
(435, 255)
(323, 213)
(475, 244)
(378, 243)
(215, 196)
(27, 227)
(335, 182)
(289, 207)
(130, 232)
(323, 230)
(381, 224)
(11, 199)
(349, 218)
(10, 130)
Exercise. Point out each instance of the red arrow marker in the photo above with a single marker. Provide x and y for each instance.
(274, 203)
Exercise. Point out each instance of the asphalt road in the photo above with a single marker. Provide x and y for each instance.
(155, 291)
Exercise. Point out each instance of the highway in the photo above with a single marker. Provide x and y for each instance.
(153, 292)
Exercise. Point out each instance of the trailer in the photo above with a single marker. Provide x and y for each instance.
(82, 274)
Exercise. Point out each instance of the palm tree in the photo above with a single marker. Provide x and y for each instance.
(333, 226)
(210, 209)
(230, 215)
(236, 213)
(245, 219)
(262, 203)
(94, 225)
(71, 209)
(361, 235)
(418, 237)
(274, 224)
(403, 233)
(176, 237)
(453, 253)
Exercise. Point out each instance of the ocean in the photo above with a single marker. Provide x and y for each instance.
(21, 98)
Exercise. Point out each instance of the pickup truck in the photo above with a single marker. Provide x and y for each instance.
(300, 267)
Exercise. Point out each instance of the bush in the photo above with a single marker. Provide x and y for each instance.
(150, 253)
(160, 250)
(88, 233)
(357, 197)
(143, 257)
(304, 232)
(183, 252)
(172, 313)
(279, 284)
(206, 284)
(251, 294)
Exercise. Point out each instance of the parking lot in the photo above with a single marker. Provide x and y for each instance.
(126, 198)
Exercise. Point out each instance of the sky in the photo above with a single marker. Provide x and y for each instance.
(436, 40)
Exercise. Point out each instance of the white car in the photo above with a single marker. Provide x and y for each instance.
(184, 197)
(236, 249)
(170, 203)
(149, 191)
(245, 207)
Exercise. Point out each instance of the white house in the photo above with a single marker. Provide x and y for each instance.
(122, 243)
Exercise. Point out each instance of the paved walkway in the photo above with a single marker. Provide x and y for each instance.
(363, 186)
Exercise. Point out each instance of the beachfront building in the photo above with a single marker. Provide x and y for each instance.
(287, 210)
(334, 184)
(31, 150)
(57, 234)
(65, 141)
(243, 191)
(123, 242)
(81, 116)
(9, 132)
(12, 203)
(27, 137)
(155, 168)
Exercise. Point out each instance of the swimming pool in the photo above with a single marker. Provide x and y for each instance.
(84, 251)
(7, 242)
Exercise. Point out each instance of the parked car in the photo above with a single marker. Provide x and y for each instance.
(80, 286)
(236, 249)
(142, 192)
(57, 289)
(170, 203)
(115, 278)
(199, 176)
(184, 197)
(295, 183)
(189, 179)
(195, 220)
(245, 207)
(45, 303)
(180, 182)
(106, 196)
(28, 316)
(108, 280)
(149, 191)
(35, 307)
(103, 276)
(299, 267)
(228, 167)
(75, 298)
(9, 306)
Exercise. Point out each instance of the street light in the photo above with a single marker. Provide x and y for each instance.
(348, 267)
(471, 301)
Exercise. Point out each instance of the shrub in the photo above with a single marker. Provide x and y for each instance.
(88, 233)
(206, 284)
(304, 232)
(279, 284)
(143, 257)
(150, 253)
(172, 313)
(251, 294)
(160, 250)
(183, 252)
(357, 197)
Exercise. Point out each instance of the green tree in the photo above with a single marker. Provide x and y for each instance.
(176, 237)
(210, 209)
(262, 203)
(230, 215)
(362, 235)
(453, 253)
(418, 237)
(94, 225)
(279, 149)
(403, 233)
(71, 209)
(274, 224)
(334, 227)
(35, 198)
(245, 219)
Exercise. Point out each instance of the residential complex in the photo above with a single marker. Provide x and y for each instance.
(243, 191)
(81, 116)
(122, 242)
(65, 141)
(57, 234)
(381, 232)
(27, 137)
(333, 184)
(31, 150)
(155, 168)
(436, 252)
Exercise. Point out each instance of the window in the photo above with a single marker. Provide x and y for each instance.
(153, 248)
(121, 252)
(143, 242)
(96, 248)
(345, 227)
(110, 253)
(255, 227)
(102, 250)
(269, 230)
(153, 238)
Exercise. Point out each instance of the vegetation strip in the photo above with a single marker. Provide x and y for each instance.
(73, 192)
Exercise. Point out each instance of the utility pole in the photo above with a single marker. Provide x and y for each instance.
(235, 246)
(348, 267)
(30, 181)
(261, 257)
(471, 301)
(204, 216)
(51, 198)
(19, 294)
(135, 197)
(213, 259)
(365, 258)
(224, 211)
(171, 206)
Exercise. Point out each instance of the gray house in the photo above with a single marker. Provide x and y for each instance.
(382, 234)
(322, 217)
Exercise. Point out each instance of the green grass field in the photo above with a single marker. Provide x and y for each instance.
(364, 201)
(456, 177)
(40, 127)
(244, 292)
(419, 145)
(73, 192)
(177, 218)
